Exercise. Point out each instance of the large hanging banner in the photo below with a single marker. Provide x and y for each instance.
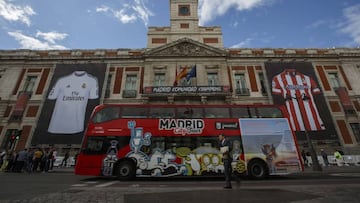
(295, 86)
(74, 91)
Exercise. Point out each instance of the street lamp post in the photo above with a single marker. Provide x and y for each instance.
(315, 162)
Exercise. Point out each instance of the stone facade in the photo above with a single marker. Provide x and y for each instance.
(29, 73)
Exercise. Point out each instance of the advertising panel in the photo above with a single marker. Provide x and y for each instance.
(295, 86)
(271, 139)
(74, 91)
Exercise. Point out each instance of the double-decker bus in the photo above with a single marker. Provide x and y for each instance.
(145, 140)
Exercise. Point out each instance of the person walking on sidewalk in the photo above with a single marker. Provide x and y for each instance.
(226, 158)
(325, 157)
(338, 158)
(64, 161)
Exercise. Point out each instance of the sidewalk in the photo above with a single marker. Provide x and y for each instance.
(333, 169)
(63, 170)
(307, 170)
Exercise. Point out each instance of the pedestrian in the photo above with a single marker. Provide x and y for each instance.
(11, 159)
(50, 162)
(338, 158)
(64, 161)
(325, 157)
(4, 161)
(44, 161)
(20, 161)
(2, 157)
(38, 154)
(303, 155)
(226, 158)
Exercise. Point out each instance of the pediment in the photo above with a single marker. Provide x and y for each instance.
(186, 47)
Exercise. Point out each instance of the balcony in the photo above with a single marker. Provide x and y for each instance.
(242, 91)
(20, 106)
(129, 93)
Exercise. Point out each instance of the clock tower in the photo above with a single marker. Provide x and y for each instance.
(184, 15)
(184, 23)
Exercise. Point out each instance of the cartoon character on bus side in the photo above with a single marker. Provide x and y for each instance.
(110, 158)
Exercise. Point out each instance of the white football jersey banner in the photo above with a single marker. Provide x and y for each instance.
(72, 93)
(297, 90)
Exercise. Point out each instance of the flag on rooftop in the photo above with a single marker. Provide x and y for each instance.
(191, 73)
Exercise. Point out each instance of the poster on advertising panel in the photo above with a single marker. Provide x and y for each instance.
(296, 86)
(75, 89)
(272, 139)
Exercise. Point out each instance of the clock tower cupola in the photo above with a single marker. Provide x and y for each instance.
(184, 23)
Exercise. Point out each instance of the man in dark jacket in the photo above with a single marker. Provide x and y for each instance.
(226, 158)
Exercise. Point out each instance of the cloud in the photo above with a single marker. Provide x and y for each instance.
(12, 12)
(51, 36)
(245, 43)
(28, 42)
(102, 9)
(352, 23)
(317, 24)
(210, 9)
(123, 17)
(130, 13)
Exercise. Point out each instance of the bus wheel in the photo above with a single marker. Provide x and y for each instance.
(126, 170)
(258, 169)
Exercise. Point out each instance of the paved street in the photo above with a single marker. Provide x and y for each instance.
(331, 185)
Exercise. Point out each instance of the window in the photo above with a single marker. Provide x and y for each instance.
(184, 10)
(130, 82)
(101, 144)
(262, 84)
(213, 79)
(334, 80)
(108, 86)
(240, 112)
(356, 130)
(241, 87)
(269, 112)
(29, 83)
(217, 113)
(183, 112)
(107, 114)
(159, 79)
(240, 81)
(159, 112)
(134, 112)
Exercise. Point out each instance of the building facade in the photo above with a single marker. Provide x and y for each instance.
(182, 64)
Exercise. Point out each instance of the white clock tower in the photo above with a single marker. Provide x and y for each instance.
(184, 23)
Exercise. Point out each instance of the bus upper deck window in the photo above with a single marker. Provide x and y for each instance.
(134, 112)
(269, 112)
(162, 112)
(217, 113)
(106, 114)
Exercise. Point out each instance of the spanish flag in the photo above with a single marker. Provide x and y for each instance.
(183, 73)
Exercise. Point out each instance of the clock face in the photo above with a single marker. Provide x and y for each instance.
(184, 10)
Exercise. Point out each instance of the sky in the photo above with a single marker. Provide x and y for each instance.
(114, 24)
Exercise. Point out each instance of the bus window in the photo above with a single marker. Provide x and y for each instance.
(209, 142)
(269, 112)
(217, 113)
(183, 112)
(239, 112)
(100, 144)
(156, 112)
(107, 114)
(134, 112)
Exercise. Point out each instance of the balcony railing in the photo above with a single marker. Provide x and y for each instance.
(242, 91)
(129, 93)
